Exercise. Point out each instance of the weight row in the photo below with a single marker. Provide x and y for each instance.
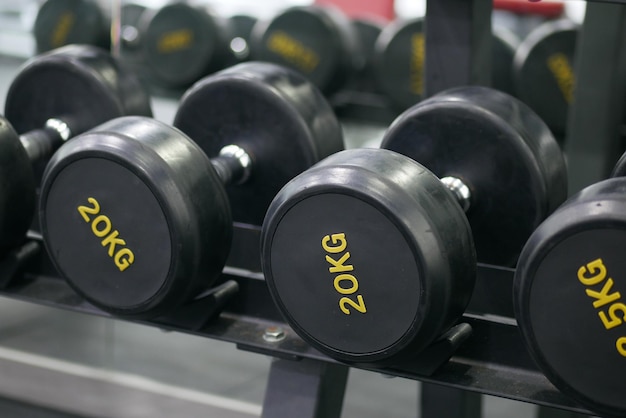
(370, 255)
(261, 135)
(136, 218)
(269, 124)
(181, 43)
(538, 70)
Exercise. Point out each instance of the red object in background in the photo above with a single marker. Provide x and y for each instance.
(363, 8)
(527, 7)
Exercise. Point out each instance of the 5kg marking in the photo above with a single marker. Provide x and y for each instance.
(339, 244)
(592, 274)
(101, 228)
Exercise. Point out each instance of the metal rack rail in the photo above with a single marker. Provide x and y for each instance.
(487, 352)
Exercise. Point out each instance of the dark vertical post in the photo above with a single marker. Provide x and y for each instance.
(305, 389)
(458, 43)
(594, 137)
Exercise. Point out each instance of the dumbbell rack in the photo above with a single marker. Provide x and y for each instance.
(492, 361)
(488, 354)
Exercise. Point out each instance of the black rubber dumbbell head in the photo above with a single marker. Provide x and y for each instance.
(569, 297)
(54, 96)
(133, 216)
(544, 71)
(500, 149)
(352, 263)
(319, 42)
(64, 22)
(183, 43)
(275, 114)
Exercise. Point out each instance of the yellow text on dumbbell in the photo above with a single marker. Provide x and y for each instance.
(564, 74)
(344, 283)
(418, 52)
(293, 51)
(175, 41)
(592, 274)
(62, 29)
(102, 228)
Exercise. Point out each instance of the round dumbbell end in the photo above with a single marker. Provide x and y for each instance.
(17, 190)
(399, 62)
(68, 83)
(64, 22)
(119, 222)
(499, 149)
(570, 297)
(318, 42)
(543, 69)
(81, 86)
(273, 114)
(182, 43)
(353, 272)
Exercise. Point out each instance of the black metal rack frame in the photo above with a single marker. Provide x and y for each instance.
(493, 360)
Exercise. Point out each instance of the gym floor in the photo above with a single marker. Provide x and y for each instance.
(61, 364)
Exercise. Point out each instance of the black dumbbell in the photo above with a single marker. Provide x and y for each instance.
(134, 214)
(543, 71)
(63, 22)
(570, 296)
(131, 16)
(399, 61)
(182, 43)
(369, 255)
(55, 96)
(319, 42)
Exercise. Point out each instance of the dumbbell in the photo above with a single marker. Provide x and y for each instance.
(63, 22)
(568, 296)
(55, 96)
(134, 214)
(543, 71)
(399, 61)
(369, 254)
(182, 43)
(319, 42)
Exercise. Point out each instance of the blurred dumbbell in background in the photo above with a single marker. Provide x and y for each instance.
(64, 22)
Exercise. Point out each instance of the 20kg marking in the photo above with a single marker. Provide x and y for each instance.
(101, 227)
(351, 283)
